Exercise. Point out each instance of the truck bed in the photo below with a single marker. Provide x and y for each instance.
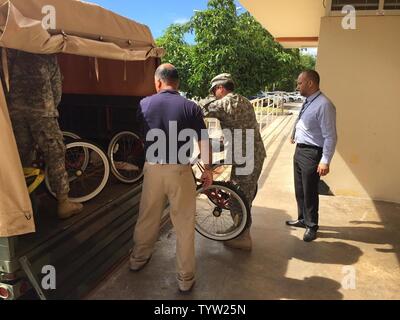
(83, 247)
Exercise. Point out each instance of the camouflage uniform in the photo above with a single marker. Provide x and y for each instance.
(35, 92)
(236, 112)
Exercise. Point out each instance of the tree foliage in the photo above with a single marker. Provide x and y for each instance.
(226, 41)
(307, 61)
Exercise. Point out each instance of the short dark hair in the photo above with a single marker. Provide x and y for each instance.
(313, 76)
(167, 74)
(230, 86)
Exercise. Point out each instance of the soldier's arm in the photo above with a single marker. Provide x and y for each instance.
(205, 103)
(219, 109)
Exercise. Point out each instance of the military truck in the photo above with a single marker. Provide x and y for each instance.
(108, 64)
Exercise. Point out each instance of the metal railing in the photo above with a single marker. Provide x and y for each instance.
(267, 109)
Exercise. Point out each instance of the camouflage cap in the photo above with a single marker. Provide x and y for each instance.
(222, 78)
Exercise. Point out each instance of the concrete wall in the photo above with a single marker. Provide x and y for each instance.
(287, 18)
(360, 72)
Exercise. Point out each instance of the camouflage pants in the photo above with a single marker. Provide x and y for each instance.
(248, 184)
(32, 128)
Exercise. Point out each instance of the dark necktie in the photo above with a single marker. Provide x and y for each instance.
(298, 119)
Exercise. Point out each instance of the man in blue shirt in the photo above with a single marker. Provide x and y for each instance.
(170, 123)
(315, 136)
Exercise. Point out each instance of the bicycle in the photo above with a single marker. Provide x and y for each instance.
(87, 175)
(70, 137)
(127, 157)
(222, 211)
(87, 167)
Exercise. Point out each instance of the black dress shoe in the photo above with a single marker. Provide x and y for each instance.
(310, 234)
(296, 223)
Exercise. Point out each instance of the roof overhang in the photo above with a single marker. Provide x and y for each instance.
(294, 24)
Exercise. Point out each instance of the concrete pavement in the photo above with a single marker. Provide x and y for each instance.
(356, 255)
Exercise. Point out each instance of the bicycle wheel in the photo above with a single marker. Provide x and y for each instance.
(222, 211)
(87, 175)
(38, 160)
(70, 137)
(127, 157)
(221, 172)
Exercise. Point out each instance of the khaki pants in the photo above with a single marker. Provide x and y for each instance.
(174, 183)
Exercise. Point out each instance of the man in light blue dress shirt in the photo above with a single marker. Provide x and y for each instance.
(316, 137)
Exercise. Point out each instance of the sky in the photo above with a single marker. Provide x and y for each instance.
(159, 14)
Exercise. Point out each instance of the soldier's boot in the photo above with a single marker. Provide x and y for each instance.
(66, 208)
(242, 242)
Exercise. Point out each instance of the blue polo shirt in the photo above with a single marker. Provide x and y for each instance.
(166, 116)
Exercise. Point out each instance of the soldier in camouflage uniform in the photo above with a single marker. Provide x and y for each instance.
(35, 92)
(236, 112)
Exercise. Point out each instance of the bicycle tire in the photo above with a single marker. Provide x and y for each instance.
(232, 232)
(70, 137)
(81, 170)
(129, 159)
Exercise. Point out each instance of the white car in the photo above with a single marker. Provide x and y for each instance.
(299, 97)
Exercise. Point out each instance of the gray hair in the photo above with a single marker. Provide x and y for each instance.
(313, 76)
(167, 73)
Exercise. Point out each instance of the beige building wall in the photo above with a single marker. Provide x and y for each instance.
(360, 72)
(287, 18)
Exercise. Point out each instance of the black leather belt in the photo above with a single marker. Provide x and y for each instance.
(302, 145)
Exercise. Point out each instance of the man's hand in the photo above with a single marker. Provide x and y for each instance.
(323, 169)
(292, 141)
(207, 178)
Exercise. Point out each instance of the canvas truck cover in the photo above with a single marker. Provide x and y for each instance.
(81, 29)
(15, 207)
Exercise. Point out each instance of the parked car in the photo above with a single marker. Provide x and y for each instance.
(259, 95)
(295, 97)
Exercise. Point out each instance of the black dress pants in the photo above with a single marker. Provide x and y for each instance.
(306, 180)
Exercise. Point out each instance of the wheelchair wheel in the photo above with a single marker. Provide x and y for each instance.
(88, 171)
(222, 212)
(127, 157)
(70, 137)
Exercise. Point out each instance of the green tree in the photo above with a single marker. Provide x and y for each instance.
(257, 55)
(228, 42)
(289, 70)
(178, 52)
(215, 31)
(307, 62)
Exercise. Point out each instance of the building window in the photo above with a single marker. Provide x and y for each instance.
(392, 5)
(337, 5)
